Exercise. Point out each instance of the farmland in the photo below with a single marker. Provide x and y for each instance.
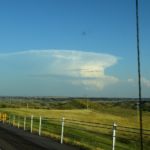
(82, 116)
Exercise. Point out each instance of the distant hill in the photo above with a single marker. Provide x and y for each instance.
(72, 103)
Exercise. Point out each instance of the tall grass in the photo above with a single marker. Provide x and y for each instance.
(86, 136)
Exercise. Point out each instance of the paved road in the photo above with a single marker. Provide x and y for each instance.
(12, 138)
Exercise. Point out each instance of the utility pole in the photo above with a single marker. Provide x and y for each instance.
(139, 74)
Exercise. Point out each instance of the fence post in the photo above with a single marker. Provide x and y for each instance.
(114, 136)
(62, 130)
(14, 120)
(3, 118)
(40, 123)
(24, 124)
(18, 121)
(31, 123)
(9, 120)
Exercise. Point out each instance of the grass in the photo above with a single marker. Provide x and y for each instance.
(86, 136)
(122, 116)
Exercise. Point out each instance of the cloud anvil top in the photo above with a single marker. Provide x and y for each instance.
(49, 70)
(87, 67)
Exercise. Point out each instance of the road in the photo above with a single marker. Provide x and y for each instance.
(12, 138)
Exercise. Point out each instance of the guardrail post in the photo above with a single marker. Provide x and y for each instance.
(62, 130)
(24, 123)
(40, 123)
(114, 136)
(31, 123)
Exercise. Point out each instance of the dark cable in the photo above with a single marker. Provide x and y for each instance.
(139, 74)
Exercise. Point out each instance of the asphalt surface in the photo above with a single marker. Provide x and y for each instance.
(12, 138)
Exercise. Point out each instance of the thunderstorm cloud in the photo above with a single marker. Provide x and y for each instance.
(78, 68)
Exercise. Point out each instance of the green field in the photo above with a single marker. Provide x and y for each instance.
(79, 129)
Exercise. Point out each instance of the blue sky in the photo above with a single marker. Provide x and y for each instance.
(72, 48)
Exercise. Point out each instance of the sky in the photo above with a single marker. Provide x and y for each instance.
(73, 48)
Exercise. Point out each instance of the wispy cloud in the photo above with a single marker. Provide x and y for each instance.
(130, 80)
(145, 82)
(82, 68)
(97, 83)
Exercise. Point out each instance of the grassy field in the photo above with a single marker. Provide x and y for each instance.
(96, 138)
(122, 116)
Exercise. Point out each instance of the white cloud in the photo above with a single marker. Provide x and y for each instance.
(97, 83)
(81, 68)
(145, 82)
(130, 80)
